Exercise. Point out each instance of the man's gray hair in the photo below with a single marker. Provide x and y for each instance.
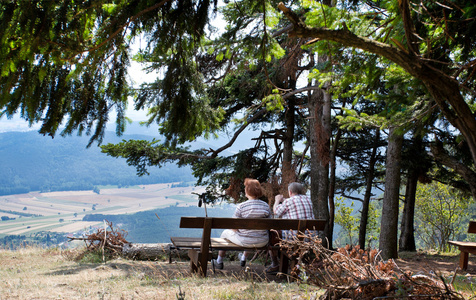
(297, 188)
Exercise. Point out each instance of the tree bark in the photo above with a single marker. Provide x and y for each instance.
(289, 174)
(407, 236)
(319, 144)
(407, 232)
(332, 183)
(388, 242)
(364, 215)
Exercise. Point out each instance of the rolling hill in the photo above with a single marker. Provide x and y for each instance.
(32, 162)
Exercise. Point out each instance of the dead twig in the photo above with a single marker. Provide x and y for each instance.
(111, 241)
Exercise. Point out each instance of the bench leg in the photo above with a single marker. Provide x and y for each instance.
(193, 254)
(283, 263)
(463, 260)
(198, 263)
(170, 253)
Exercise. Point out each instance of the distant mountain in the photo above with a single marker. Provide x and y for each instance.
(32, 162)
(245, 140)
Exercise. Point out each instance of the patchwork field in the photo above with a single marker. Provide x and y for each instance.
(63, 211)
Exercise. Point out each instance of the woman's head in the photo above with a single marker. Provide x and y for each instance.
(253, 188)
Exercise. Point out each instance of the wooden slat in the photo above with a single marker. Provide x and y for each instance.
(216, 244)
(251, 223)
(469, 247)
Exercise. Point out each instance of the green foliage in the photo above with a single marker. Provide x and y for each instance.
(373, 224)
(90, 257)
(143, 154)
(19, 213)
(440, 212)
(274, 102)
(346, 219)
(67, 62)
(347, 216)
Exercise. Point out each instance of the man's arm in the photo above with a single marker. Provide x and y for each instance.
(278, 200)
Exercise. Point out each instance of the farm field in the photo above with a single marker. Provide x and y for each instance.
(64, 211)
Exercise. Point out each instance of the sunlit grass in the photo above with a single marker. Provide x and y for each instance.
(37, 273)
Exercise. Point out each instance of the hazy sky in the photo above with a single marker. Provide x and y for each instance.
(18, 124)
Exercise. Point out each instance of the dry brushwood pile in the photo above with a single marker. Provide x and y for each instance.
(353, 273)
(109, 241)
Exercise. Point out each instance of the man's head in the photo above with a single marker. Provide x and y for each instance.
(296, 188)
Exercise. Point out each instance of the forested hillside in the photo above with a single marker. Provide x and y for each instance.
(32, 162)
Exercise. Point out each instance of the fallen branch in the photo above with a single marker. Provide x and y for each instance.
(351, 272)
(112, 241)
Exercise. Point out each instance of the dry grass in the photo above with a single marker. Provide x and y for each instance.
(34, 273)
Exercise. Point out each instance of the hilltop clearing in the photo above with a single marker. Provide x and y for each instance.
(35, 273)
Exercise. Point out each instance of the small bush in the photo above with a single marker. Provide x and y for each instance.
(92, 257)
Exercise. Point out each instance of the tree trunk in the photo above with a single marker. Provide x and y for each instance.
(407, 236)
(288, 174)
(320, 129)
(388, 242)
(319, 106)
(332, 183)
(407, 232)
(364, 216)
(145, 251)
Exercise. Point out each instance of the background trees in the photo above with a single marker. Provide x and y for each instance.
(417, 50)
(439, 215)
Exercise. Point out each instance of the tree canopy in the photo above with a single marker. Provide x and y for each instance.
(65, 63)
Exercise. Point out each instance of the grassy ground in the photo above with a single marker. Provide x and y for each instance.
(34, 273)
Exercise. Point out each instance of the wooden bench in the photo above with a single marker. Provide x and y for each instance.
(466, 247)
(200, 248)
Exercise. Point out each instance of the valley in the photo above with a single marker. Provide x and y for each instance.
(63, 211)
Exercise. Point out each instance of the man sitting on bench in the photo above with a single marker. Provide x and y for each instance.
(252, 208)
(297, 206)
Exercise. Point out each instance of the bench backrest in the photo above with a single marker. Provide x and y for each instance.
(252, 223)
(472, 227)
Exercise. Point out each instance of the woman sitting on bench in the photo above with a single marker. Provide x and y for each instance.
(252, 208)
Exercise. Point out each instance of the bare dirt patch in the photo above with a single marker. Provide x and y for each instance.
(445, 265)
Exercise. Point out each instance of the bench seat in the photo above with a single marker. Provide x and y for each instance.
(465, 247)
(215, 243)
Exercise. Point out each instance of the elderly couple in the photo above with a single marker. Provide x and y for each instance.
(297, 206)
